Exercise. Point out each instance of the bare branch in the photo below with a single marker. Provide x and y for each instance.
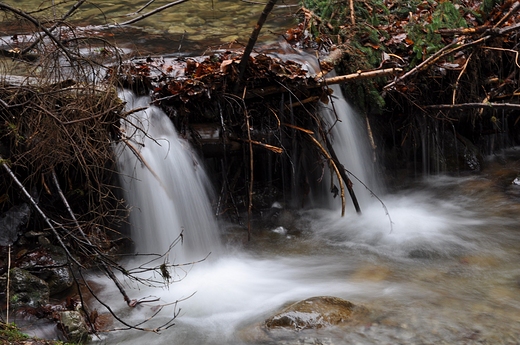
(38, 25)
(52, 28)
(3, 162)
(157, 10)
(475, 106)
(244, 61)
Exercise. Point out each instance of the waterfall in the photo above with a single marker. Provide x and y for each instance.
(349, 140)
(164, 185)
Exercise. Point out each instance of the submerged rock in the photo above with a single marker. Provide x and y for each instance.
(317, 312)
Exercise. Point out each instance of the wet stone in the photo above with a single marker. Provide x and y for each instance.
(50, 264)
(73, 325)
(181, 29)
(27, 289)
(194, 21)
(317, 312)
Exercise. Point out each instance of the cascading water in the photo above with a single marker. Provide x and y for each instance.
(165, 186)
(350, 144)
(436, 276)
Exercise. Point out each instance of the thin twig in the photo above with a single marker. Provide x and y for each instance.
(52, 28)
(271, 148)
(251, 173)
(342, 170)
(458, 79)
(506, 50)
(512, 10)
(435, 57)
(73, 216)
(40, 26)
(157, 10)
(35, 205)
(8, 297)
(352, 14)
(334, 167)
(145, 6)
(474, 106)
(360, 75)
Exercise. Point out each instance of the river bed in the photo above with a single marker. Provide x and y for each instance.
(189, 28)
(445, 272)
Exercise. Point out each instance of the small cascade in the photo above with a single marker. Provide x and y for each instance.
(349, 140)
(165, 186)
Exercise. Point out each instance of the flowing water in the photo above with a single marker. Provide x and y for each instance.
(187, 28)
(349, 139)
(164, 184)
(440, 268)
(438, 264)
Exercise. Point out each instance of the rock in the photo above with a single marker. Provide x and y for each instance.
(11, 223)
(280, 230)
(317, 312)
(455, 154)
(194, 21)
(73, 325)
(50, 264)
(26, 289)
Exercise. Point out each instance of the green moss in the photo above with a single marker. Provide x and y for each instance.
(425, 35)
(376, 24)
(11, 334)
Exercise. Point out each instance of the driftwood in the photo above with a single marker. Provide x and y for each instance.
(341, 79)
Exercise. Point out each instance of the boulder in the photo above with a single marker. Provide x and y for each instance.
(50, 264)
(11, 223)
(317, 312)
(74, 327)
(27, 289)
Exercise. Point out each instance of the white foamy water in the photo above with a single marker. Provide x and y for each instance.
(441, 269)
(165, 186)
(417, 275)
(349, 138)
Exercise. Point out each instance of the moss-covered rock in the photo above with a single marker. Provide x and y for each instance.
(27, 289)
(74, 326)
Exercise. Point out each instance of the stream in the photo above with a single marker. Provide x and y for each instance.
(446, 272)
(436, 263)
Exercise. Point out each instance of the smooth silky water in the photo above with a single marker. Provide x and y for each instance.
(440, 267)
